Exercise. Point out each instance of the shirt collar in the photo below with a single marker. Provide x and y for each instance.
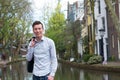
(42, 39)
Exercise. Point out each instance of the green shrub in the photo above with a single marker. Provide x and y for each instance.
(67, 56)
(95, 59)
(86, 57)
(112, 58)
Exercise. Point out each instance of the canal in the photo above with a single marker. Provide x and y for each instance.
(17, 71)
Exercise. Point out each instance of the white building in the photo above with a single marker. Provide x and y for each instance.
(101, 28)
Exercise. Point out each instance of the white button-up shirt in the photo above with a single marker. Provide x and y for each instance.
(45, 60)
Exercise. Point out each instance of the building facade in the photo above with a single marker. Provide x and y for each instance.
(74, 14)
(89, 23)
(113, 38)
(107, 40)
(101, 30)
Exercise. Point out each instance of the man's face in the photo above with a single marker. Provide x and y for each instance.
(38, 30)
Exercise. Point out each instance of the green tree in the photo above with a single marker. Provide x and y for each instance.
(73, 33)
(76, 31)
(55, 29)
(14, 22)
(92, 5)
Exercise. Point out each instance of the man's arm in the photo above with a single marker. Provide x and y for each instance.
(29, 54)
(54, 62)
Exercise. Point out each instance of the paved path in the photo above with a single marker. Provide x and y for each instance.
(111, 64)
(117, 64)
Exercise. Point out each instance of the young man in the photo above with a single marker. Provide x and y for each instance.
(44, 52)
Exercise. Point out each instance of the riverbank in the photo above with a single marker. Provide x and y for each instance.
(3, 63)
(109, 66)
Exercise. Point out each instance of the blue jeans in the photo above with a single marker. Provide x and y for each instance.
(40, 77)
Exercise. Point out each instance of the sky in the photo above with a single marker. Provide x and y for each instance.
(38, 5)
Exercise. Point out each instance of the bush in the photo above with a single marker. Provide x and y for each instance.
(95, 59)
(86, 57)
(112, 58)
(67, 56)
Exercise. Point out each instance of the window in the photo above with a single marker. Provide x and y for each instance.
(90, 32)
(96, 27)
(99, 7)
(119, 48)
(103, 22)
(113, 41)
(113, 4)
(113, 1)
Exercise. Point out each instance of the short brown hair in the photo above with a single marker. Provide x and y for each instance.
(36, 23)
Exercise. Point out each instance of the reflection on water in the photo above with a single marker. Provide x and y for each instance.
(65, 72)
(17, 71)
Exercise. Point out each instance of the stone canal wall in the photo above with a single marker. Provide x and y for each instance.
(110, 66)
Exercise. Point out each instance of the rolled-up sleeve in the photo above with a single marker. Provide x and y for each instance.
(29, 54)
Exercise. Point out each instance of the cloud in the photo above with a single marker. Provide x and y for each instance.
(39, 4)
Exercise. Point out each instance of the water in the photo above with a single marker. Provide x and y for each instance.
(17, 71)
(65, 72)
